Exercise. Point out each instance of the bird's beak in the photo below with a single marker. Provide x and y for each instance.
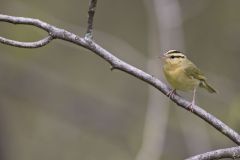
(162, 56)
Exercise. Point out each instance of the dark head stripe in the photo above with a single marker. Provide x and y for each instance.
(173, 51)
(177, 56)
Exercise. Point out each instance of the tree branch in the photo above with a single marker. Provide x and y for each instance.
(27, 21)
(91, 12)
(233, 153)
(36, 44)
(117, 63)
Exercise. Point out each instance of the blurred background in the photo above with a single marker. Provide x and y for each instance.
(62, 102)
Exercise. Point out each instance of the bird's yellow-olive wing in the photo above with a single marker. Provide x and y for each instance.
(192, 71)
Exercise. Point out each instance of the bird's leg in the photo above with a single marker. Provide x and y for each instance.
(193, 100)
(171, 93)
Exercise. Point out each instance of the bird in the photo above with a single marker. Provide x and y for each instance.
(183, 75)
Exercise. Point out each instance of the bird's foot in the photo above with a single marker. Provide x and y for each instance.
(190, 106)
(171, 93)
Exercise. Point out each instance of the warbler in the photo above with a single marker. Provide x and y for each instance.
(183, 75)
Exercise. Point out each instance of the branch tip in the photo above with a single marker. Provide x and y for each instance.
(19, 44)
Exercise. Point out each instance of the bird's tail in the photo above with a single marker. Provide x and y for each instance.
(205, 85)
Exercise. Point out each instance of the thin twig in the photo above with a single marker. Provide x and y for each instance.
(91, 12)
(36, 44)
(27, 21)
(232, 153)
(117, 63)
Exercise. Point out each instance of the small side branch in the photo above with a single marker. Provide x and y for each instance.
(232, 153)
(36, 44)
(91, 12)
(27, 21)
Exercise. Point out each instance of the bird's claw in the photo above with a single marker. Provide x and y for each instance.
(190, 106)
(171, 93)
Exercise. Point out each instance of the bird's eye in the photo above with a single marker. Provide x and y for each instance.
(172, 57)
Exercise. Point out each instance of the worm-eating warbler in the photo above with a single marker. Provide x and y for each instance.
(183, 75)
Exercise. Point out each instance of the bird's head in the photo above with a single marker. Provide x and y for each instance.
(173, 57)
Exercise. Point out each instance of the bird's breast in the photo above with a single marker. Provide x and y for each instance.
(178, 79)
